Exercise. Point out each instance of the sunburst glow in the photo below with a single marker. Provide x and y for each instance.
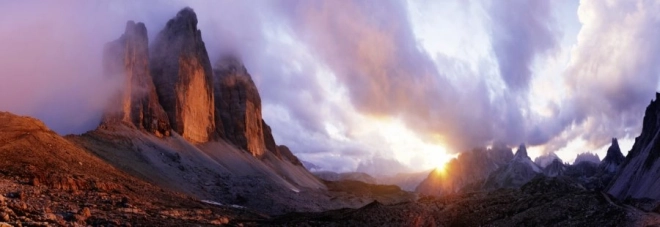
(406, 145)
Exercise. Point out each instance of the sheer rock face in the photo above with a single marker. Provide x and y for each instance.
(137, 101)
(639, 174)
(183, 77)
(238, 107)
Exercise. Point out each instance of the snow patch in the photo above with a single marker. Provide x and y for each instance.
(212, 202)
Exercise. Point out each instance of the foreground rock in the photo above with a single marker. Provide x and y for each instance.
(182, 75)
(127, 59)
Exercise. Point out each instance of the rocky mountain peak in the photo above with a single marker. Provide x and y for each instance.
(545, 160)
(136, 102)
(614, 155)
(521, 153)
(555, 168)
(183, 77)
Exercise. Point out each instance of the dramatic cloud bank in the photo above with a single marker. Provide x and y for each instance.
(352, 85)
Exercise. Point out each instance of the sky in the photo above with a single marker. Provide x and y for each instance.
(378, 86)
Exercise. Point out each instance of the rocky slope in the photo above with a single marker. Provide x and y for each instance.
(136, 102)
(467, 171)
(238, 107)
(520, 170)
(639, 176)
(45, 180)
(182, 74)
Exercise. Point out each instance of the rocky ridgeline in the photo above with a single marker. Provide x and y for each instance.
(172, 86)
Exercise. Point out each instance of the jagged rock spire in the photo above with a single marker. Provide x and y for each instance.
(614, 153)
(614, 158)
(136, 102)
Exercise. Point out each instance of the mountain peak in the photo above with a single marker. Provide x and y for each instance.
(614, 152)
(522, 152)
(614, 157)
(186, 14)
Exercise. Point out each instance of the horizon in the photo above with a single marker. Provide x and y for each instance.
(374, 86)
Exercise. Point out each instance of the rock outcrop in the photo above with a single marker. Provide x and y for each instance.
(613, 159)
(288, 155)
(238, 107)
(639, 175)
(183, 77)
(136, 101)
(269, 140)
(465, 172)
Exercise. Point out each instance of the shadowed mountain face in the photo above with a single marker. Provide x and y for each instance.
(468, 170)
(613, 159)
(556, 168)
(182, 74)
(238, 107)
(639, 176)
(520, 170)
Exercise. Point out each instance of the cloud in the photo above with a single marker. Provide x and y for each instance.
(521, 31)
(613, 72)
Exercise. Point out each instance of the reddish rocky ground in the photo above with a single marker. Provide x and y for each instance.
(46, 180)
